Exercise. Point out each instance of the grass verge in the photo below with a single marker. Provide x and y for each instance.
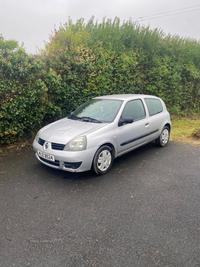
(183, 129)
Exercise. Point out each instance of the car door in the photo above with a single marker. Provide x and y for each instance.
(135, 133)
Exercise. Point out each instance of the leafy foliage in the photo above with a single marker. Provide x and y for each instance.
(84, 60)
(110, 57)
(22, 94)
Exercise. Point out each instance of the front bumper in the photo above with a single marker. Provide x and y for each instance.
(72, 161)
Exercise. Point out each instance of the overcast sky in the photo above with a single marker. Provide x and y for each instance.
(31, 21)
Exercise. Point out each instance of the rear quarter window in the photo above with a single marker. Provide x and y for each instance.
(154, 106)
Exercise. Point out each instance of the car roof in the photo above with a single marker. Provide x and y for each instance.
(124, 96)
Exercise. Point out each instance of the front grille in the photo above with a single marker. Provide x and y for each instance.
(56, 146)
(54, 163)
(41, 141)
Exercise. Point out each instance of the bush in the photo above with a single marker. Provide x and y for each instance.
(87, 60)
(22, 94)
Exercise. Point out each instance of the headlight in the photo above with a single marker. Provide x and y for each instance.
(37, 135)
(76, 144)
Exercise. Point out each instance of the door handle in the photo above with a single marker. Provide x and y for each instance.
(147, 125)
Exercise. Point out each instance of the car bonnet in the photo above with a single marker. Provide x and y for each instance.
(65, 130)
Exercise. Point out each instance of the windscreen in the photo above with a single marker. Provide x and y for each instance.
(98, 109)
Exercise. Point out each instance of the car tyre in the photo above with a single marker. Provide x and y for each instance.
(103, 160)
(163, 139)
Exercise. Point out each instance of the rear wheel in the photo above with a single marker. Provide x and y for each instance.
(103, 160)
(163, 139)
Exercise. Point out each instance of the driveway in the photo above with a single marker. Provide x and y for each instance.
(144, 212)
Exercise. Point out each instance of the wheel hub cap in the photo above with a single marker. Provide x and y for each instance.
(165, 136)
(104, 160)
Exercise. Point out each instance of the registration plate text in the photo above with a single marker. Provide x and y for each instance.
(45, 155)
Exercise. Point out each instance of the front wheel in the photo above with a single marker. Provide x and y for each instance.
(103, 160)
(163, 139)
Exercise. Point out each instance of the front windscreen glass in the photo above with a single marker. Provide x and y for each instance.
(97, 110)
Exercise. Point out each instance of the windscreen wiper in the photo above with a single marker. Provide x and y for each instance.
(88, 119)
(74, 117)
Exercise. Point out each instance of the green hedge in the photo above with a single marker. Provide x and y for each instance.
(110, 57)
(83, 60)
(22, 94)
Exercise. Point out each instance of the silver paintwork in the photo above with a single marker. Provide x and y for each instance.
(98, 134)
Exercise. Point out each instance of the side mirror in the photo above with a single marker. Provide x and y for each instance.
(125, 121)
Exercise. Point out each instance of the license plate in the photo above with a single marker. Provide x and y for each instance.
(45, 156)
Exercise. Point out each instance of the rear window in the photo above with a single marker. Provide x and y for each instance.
(154, 106)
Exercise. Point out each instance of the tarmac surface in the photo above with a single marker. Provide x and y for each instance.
(144, 213)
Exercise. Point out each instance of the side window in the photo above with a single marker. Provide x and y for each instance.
(154, 106)
(134, 109)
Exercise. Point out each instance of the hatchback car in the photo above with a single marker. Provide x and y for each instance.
(101, 130)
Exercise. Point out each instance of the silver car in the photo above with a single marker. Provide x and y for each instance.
(101, 130)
